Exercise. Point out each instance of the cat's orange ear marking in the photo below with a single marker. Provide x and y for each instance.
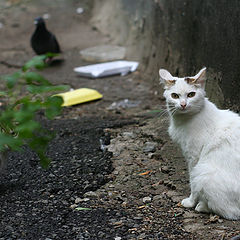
(199, 78)
(170, 82)
(190, 80)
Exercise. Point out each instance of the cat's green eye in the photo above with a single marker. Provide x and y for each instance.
(191, 94)
(174, 95)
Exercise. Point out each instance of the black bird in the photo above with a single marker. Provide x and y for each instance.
(43, 41)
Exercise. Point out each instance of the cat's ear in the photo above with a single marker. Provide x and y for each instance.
(166, 78)
(199, 78)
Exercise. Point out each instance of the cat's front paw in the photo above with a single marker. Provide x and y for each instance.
(188, 202)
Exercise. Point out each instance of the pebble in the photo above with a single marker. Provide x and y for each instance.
(19, 214)
(129, 135)
(236, 237)
(117, 238)
(147, 199)
(73, 206)
(90, 194)
(78, 200)
(79, 10)
(157, 198)
(149, 147)
(165, 169)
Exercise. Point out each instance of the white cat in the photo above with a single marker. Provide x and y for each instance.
(210, 142)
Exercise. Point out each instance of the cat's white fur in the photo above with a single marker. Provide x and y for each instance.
(210, 142)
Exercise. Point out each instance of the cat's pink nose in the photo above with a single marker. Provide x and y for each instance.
(183, 105)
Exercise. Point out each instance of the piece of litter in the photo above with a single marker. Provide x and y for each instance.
(107, 69)
(103, 53)
(78, 96)
(1, 25)
(126, 103)
(46, 16)
(79, 10)
(82, 209)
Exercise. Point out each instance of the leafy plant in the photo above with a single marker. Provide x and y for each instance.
(26, 93)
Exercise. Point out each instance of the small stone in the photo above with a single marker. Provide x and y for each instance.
(157, 198)
(91, 194)
(79, 10)
(165, 169)
(237, 237)
(116, 172)
(64, 202)
(213, 218)
(129, 135)
(73, 206)
(78, 200)
(149, 147)
(19, 214)
(147, 199)
(117, 238)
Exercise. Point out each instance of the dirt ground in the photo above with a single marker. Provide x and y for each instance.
(115, 174)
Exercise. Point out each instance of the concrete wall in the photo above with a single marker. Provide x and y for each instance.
(181, 36)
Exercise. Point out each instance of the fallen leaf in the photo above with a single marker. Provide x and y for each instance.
(213, 218)
(83, 209)
(145, 173)
(179, 204)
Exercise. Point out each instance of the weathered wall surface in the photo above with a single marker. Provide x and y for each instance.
(181, 36)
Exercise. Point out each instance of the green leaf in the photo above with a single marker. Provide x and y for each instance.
(49, 54)
(83, 209)
(44, 89)
(35, 78)
(37, 62)
(12, 79)
(27, 111)
(3, 93)
(39, 145)
(7, 116)
(26, 129)
(44, 160)
(10, 141)
(53, 106)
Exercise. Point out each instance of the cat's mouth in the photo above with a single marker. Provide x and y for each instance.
(183, 109)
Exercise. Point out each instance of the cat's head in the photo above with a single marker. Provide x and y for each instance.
(184, 95)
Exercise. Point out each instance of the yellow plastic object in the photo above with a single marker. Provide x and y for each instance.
(80, 95)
